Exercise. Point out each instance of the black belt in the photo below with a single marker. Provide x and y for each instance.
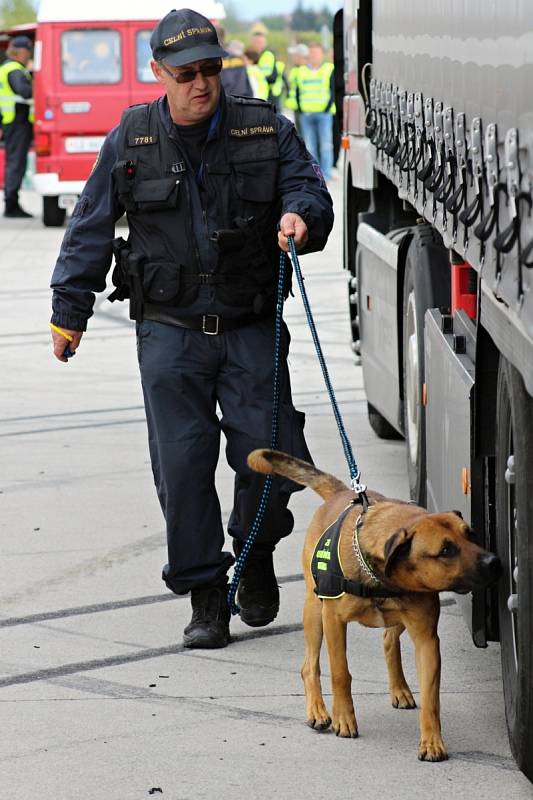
(210, 324)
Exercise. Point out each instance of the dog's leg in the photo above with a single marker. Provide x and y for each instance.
(423, 632)
(400, 693)
(317, 713)
(343, 715)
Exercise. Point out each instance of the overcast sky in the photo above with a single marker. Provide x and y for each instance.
(253, 9)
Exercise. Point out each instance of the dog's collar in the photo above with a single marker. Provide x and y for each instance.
(363, 563)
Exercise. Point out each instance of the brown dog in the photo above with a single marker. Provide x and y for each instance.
(411, 552)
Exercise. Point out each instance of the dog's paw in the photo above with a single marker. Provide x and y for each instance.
(319, 723)
(318, 716)
(401, 697)
(345, 725)
(432, 750)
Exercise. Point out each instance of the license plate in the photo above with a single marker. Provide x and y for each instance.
(83, 144)
(67, 201)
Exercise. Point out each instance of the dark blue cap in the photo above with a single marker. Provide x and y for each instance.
(184, 36)
(21, 41)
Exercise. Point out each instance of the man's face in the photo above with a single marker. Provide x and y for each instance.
(193, 101)
(22, 55)
(316, 56)
(259, 42)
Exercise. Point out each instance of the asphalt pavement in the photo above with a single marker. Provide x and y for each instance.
(98, 698)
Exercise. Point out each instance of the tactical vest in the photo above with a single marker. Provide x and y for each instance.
(239, 196)
(9, 98)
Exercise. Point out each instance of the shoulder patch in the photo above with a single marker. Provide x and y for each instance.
(253, 130)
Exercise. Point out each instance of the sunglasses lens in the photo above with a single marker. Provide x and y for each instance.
(186, 76)
(211, 69)
(207, 70)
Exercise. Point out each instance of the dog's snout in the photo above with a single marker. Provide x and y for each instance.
(490, 567)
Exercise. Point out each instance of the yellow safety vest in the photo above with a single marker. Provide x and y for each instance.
(267, 63)
(260, 87)
(291, 101)
(278, 85)
(314, 88)
(8, 98)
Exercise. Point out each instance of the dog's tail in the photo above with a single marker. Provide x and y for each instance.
(272, 461)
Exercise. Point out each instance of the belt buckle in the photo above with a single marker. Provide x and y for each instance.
(204, 320)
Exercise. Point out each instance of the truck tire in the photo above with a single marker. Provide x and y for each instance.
(380, 426)
(53, 216)
(426, 285)
(514, 545)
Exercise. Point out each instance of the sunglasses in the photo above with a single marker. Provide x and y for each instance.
(187, 75)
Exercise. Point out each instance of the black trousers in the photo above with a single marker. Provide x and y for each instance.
(185, 376)
(17, 138)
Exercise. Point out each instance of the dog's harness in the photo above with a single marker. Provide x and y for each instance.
(326, 565)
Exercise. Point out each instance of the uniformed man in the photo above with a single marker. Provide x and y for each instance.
(16, 110)
(205, 180)
(234, 75)
(316, 102)
(234, 72)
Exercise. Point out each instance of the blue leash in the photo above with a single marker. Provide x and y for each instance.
(256, 525)
(358, 487)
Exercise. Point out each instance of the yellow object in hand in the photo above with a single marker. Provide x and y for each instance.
(63, 333)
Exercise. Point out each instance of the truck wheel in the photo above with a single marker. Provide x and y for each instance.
(380, 426)
(53, 216)
(426, 285)
(514, 512)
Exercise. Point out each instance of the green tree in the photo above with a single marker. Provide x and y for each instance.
(16, 12)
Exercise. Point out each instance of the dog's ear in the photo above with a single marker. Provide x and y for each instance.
(397, 548)
(458, 513)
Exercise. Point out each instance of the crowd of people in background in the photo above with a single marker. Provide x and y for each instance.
(303, 90)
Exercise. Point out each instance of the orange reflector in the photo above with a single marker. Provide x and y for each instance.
(345, 142)
(465, 480)
(424, 394)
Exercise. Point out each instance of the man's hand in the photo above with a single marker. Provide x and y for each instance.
(60, 344)
(292, 225)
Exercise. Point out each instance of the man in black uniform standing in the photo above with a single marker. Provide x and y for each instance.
(17, 117)
(206, 181)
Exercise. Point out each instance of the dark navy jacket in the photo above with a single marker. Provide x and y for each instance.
(86, 252)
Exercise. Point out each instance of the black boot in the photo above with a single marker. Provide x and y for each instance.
(209, 626)
(258, 592)
(14, 210)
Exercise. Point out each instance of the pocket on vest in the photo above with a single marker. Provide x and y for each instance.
(161, 281)
(159, 194)
(256, 181)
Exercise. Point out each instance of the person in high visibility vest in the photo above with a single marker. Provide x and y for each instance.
(280, 86)
(266, 62)
(16, 109)
(260, 87)
(315, 101)
(299, 54)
